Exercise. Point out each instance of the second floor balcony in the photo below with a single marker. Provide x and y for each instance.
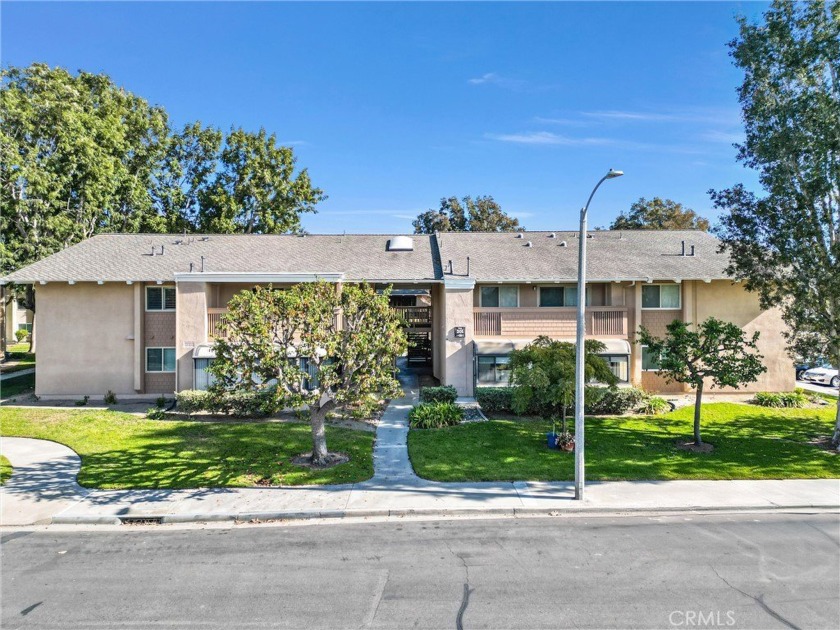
(601, 321)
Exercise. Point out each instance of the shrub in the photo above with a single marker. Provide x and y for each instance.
(161, 401)
(244, 404)
(617, 401)
(156, 413)
(446, 393)
(782, 399)
(435, 415)
(495, 398)
(110, 398)
(191, 401)
(654, 405)
(21, 335)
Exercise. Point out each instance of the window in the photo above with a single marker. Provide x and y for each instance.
(661, 296)
(160, 298)
(203, 378)
(650, 361)
(160, 359)
(493, 370)
(26, 327)
(558, 296)
(505, 297)
(619, 364)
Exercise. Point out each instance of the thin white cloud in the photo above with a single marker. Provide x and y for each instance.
(491, 78)
(696, 115)
(567, 122)
(546, 138)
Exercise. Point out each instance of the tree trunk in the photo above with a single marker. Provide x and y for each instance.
(697, 402)
(317, 417)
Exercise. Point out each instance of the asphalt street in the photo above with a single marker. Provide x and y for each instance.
(732, 571)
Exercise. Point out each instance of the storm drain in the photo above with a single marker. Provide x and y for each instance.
(141, 520)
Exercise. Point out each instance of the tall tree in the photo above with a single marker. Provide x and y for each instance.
(312, 345)
(785, 243)
(257, 190)
(188, 167)
(659, 214)
(482, 214)
(717, 354)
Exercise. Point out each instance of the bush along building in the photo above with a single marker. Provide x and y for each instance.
(137, 314)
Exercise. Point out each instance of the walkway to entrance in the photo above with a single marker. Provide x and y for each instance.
(390, 453)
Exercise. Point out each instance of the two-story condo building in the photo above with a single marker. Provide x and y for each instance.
(137, 314)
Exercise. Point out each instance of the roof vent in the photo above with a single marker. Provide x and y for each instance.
(519, 235)
(552, 235)
(401, 244)
(563, 244)
(529, 244)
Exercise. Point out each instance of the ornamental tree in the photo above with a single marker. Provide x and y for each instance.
(544, 371)
(659, 214)
(318, 345)
(784, 242)
(717, 354)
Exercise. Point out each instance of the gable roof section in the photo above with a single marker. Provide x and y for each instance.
(494, 257)
(123, 257)
(611, 255)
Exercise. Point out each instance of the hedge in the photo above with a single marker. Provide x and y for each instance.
(445, 393)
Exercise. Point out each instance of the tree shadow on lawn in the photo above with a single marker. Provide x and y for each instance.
(186, 455)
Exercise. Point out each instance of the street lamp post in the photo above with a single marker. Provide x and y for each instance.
(580, 352)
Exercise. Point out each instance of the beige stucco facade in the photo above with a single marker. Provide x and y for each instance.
(93, 337)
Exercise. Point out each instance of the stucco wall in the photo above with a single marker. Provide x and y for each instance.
(85, 339)
(191, 328)
(730, 302)
(458, 311)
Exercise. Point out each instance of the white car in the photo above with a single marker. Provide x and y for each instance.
(823, 375)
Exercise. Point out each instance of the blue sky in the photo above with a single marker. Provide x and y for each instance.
(392, 106)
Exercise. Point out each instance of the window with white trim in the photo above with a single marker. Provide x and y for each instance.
(160, 359)
(160, 298)
(650, 360)
(558, 296)
(503, 296)
(661, 296)
(27, 327)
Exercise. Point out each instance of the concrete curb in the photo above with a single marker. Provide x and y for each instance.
(411, 512)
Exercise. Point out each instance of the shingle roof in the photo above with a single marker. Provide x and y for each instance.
(121, 257)
(612, 255)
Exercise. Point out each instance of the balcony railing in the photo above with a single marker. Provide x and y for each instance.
(415, 316)
(601, 321)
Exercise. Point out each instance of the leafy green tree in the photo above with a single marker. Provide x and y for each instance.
(718, 354)
(314, 345)
(543, 373)
(785, 242)
(482, 214)
(187, 170)
(257, 190)
(659, 214)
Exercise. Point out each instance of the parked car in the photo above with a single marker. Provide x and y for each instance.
(823, 375)
(804, 366)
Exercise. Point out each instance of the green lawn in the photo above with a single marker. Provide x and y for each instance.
(750, 443)
(5, 470)
(119, 450)
(18, 385)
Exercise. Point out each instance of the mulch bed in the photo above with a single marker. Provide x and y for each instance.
(705, 447)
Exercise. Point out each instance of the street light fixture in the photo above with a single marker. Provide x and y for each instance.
(580, 353)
